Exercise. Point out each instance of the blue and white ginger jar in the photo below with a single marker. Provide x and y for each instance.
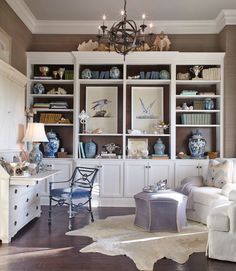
(164, 74)
(51, 147)
(159, 147)
(90, 149)
(197, 145)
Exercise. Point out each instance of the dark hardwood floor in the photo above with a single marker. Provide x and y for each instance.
(38, 247)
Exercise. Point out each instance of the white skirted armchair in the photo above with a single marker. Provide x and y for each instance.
(222, 231)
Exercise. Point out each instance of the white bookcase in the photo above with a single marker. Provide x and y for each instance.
(175, 137)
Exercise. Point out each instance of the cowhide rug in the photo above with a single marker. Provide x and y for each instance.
(118, 235)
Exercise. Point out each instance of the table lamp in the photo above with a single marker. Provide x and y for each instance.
(35, 134)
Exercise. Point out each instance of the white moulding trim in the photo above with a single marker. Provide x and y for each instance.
(24, 13)
(225, 17)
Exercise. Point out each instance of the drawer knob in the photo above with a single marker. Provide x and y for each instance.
(27, 214)
(37, 182)
(15, 207)
(37, 207)
(15, 223)
(27, 185)
(15, 191)
(27, 200)
(37, 195)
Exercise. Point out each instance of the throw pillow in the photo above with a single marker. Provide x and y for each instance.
(219, 173)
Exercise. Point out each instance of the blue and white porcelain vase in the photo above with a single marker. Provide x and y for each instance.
(114, 73)
(90, 149)
(197, 145)
(159, 147)
(51, 147)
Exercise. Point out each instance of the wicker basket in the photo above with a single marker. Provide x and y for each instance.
(213, 154)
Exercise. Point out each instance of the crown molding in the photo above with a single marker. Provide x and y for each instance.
(225, 17)
(24, 13)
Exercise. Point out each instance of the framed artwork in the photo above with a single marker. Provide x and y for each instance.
(5, 46)
(137, 147)
(147, 107)
(101, 106)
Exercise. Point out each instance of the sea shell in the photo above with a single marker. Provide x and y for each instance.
(88, 46)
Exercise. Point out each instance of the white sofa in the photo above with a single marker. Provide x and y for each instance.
(221, 223)
(215, 207)
(203, 199)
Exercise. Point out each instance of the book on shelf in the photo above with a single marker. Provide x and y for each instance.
(42, 77)
(82, 150)
(108, 155)
(163, 156)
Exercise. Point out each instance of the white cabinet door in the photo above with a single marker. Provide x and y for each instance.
(185, 169)
(189, 168)
(161, 170)
(66, 169)
(135, 177)
(111, 179)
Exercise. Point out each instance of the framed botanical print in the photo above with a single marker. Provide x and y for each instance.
(147, 107)
(101, 106)
(5, 46)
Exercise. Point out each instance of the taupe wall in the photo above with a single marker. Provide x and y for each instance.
(184, 43)
(227, 42)
(20, 34)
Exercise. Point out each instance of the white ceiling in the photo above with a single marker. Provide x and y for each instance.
(84, 16)
(155, 9)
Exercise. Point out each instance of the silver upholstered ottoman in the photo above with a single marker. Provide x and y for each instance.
(161, 211)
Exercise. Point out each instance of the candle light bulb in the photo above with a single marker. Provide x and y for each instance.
(122, 12)
(143, 16)
(150, 26)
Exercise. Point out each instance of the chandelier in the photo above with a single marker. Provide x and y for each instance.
(124, 36)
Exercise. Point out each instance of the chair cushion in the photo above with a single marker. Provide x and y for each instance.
(218, 219)
(219, 173)
(65, 193)
(207, 195)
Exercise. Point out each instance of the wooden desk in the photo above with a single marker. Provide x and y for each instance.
(19, 201)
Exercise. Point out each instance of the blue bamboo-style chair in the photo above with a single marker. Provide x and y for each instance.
(77, 195)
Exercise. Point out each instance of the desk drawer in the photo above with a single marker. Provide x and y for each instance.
(17, 191)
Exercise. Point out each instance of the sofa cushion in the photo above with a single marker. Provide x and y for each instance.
(208, 195)
(218, 219)
(219, 173)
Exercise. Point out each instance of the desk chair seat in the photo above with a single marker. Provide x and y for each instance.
(77, 195)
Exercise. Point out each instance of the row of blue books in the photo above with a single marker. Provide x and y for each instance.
(150, 75)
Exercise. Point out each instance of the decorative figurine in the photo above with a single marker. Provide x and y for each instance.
(162, 42)
(83, 117)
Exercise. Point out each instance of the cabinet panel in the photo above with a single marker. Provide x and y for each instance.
(135, 178)
(161, 171)
(189, 168)
(66, 170)
(111, 179)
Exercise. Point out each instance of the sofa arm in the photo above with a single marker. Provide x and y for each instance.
(232, 195)
(232, 217)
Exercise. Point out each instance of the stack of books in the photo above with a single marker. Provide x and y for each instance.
(108, 155)
(161, 157)
(42, 77)
(58, 105)
(189, 92)
(41, 105)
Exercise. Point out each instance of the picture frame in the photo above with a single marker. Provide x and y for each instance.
(5, 46)
(137, 147)
(102, 107)
(147, 108)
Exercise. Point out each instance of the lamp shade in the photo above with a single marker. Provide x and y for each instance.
(35, 132)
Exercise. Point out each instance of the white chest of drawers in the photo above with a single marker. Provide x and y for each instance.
(19, 201)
